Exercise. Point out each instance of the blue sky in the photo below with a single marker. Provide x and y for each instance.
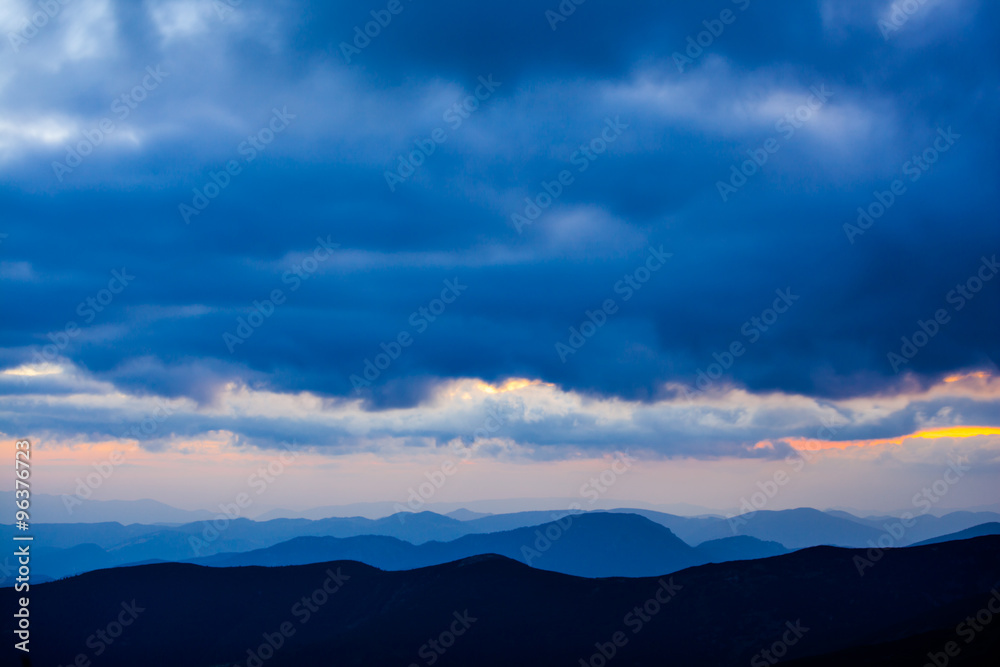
(692, 229)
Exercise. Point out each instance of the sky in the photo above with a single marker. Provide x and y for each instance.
(517, 241)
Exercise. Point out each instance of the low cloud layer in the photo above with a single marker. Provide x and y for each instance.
(518, 419)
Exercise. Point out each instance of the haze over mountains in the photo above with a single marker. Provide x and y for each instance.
(623, 542)
(69, 508)
(49, 508)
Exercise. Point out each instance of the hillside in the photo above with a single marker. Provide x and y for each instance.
(713, 615)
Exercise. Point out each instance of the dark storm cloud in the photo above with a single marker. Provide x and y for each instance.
(323, 177)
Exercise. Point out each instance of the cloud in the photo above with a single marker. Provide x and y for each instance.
(529, 418)
(656, 185)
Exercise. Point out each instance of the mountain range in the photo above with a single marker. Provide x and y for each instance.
(587, 545)
(812, 606)
(620, 543)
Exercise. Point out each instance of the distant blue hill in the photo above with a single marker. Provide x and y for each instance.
(591, 545)
(466, 515)
(588, 545)
(925, 526)
(48, 508)
(741, 547)
(795, 528)
(992, 528)
(65, 549)
(119, 544)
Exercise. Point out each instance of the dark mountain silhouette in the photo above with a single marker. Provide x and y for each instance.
(992, 528)
(507, 613)
(969, 647)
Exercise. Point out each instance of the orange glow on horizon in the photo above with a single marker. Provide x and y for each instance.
(982, 375)
(929, 434)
